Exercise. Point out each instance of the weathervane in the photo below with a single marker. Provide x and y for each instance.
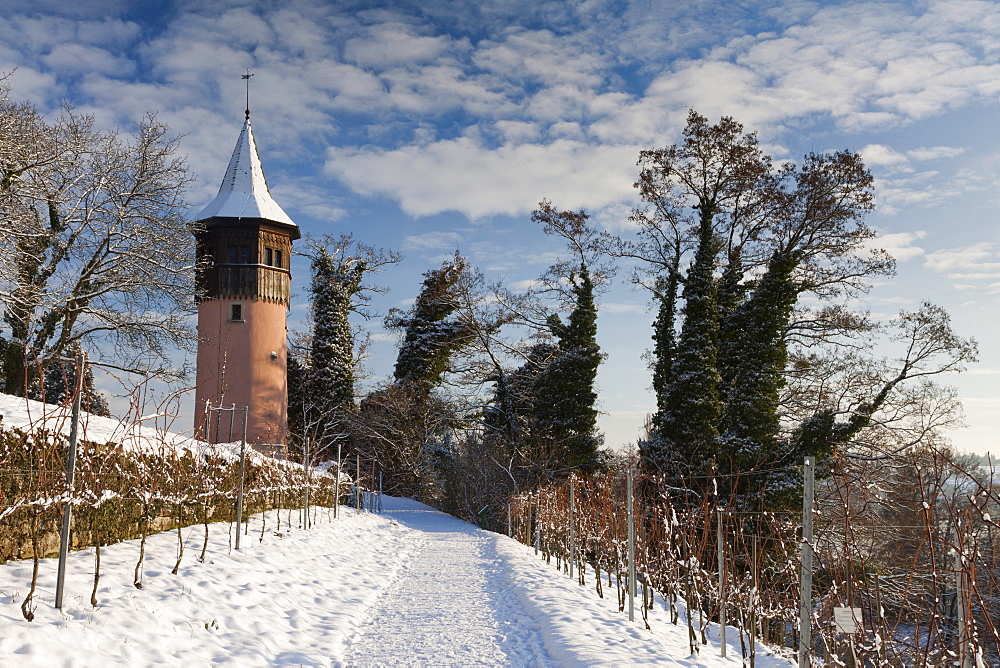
(246, 77)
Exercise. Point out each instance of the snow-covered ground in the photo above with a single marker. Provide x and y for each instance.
(410, 586)
(149, 432)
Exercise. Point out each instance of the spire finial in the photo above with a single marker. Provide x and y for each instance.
(246, 77)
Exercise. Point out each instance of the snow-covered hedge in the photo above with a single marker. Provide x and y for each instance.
(122, 493)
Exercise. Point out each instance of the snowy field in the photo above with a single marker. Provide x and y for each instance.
(411, 586)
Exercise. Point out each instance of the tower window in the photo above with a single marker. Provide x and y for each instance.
(239, 255)
(273, 258)
(236, 312)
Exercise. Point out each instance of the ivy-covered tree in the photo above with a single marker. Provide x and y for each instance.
(508, 417)
(336, 280)
(664, 337)
(752, 359)
(406, 426)
(544, 414)
(686, 429)
(813, 243)
(717, 182)
(762, 236)
(434, 329)
(765, 236)
(322, 383)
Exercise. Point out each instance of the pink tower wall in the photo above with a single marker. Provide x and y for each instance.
(235, 367)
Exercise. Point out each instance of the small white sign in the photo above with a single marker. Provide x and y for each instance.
(846, 619)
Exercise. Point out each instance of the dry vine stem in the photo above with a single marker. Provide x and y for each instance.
(912, 542)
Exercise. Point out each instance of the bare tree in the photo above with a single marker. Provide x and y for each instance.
(887, 405)
(100, 251)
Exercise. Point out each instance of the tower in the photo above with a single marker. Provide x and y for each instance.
(244, 244)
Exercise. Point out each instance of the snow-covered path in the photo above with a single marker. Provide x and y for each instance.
(452, 603)
(412, 586)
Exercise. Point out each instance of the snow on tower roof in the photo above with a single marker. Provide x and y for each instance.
(244, 193)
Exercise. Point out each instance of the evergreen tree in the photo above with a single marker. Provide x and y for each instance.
(664, 337)
(564, 407)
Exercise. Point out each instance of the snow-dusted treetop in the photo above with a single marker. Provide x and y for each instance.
(244, 193)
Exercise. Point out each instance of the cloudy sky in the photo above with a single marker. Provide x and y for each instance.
(428, 126)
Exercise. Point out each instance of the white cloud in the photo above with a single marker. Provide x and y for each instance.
(899, 244)
(947, 260)
(518, 132)
(37, 35)
(301, 198)
(935, 152)
(436, 88)
(880, 155)
(891, 160)
(864, 65)
(971, 266)
(29, 84)
(81, 59)
(905, 187)
(490, 125)
(461, 175)
(391, 44)
(542, 56)
(446, 241)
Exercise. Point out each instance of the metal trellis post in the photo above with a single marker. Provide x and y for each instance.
(67, 518)
(805, 582)
(305, 473)
(722, 586)
(239, 493)
(336, 494)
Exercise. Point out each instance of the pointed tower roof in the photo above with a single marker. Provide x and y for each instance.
(244, 192)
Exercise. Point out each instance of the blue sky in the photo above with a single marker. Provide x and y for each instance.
(429, 126)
